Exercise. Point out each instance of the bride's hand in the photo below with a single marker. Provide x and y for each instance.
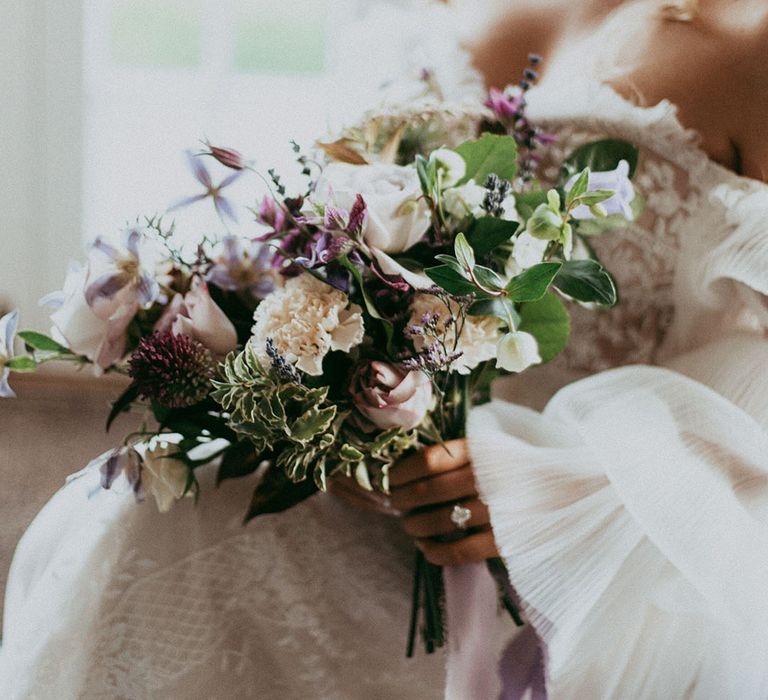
(348, 490)
(426, 486)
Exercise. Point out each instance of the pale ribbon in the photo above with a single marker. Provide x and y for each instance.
(474, 671)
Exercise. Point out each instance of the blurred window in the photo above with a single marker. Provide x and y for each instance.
(160, 75)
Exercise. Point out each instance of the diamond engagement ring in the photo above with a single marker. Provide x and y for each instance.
(460, 516)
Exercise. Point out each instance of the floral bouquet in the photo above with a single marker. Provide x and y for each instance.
(372, 313)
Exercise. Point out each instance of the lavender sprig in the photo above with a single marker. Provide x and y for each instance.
(284, 369)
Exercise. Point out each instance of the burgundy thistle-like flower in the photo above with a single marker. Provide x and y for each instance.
(174, 370)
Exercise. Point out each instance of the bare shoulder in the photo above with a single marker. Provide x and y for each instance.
(749, 90)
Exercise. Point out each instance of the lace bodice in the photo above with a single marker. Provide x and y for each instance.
(686, 212)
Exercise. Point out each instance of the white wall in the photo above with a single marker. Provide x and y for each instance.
(40, 149)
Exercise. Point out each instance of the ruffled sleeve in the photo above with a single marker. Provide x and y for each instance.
(632, 512)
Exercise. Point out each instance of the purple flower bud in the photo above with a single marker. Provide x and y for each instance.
(228, 157)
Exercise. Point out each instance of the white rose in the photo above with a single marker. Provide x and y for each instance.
(164, 476)
(397, 217)
(98, 332)
(517, 351)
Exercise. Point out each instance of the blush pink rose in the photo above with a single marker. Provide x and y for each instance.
(390, 397)
(197, 315)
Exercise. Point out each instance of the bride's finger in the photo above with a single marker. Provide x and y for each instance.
(448, 487)
(438, 521)
(431, 461)
(472, 548)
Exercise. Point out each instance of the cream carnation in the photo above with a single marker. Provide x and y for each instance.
(306, 319)
(478, 338)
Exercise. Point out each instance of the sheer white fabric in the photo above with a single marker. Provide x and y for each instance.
(631, 510)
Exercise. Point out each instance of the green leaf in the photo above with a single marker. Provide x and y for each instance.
(579, 187)
(501, 307)
(593, 197)
(548, 321)
(311, 423)
(488, 278)
(426, 172)
(464, 253)
(488, 233)
(240, 459)
(586, 281)
(527, 202)
(22, 363)
(370, 307)
(39, 341)
(599, 156)
(451, 262)
(276, 493)
(490, 153)
(533, 283)
(122, 403)
(451, 281)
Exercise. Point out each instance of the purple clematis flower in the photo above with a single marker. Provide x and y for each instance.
(616, 180)
(8, 325)
(125, 271)
(240, 268)
(200, 171)
(270, 213)
(124, 460)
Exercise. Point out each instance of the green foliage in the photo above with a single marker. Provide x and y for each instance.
(306, 432)
(22, 363)
(586, 281)
(39, 341)
(532, 284)
(599, 156)
(449, 279)
(490, 153)
(488, 232)
(122, 404)
(548, 321)
(464, 253)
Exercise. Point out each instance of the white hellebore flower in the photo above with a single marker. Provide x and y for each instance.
(306, 319)
(397, 217)
(164, 475)
(451, 166)
(528, 251)
(517, 351)
(465, 200)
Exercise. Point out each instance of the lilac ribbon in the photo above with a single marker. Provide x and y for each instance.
(474, 669)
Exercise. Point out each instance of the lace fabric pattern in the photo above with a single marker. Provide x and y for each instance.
(642, 257)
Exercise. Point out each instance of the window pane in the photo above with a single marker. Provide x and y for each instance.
(272, 36)
(154, 33)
